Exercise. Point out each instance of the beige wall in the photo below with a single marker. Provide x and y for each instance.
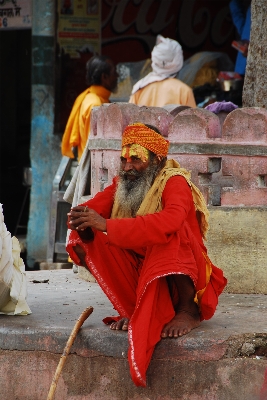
(237, 243)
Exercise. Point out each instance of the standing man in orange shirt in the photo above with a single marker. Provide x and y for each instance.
(101, 77)
(161, 87)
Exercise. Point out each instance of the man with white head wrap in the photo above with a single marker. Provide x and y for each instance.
(160, 87)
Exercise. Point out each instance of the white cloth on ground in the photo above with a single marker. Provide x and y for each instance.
(13, 285)
(167, 60)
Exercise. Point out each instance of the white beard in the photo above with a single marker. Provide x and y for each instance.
(131, 193)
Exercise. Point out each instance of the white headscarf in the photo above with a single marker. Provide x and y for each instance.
(167, 59)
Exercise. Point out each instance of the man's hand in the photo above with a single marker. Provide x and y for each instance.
(81, 217)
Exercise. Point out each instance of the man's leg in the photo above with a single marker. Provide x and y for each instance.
(116, 271)
(81, 254)
(187, 314)
(123, 323)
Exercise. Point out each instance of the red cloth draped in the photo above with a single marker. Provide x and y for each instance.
(131, 262)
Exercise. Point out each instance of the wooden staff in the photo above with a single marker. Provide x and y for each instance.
(84, 315)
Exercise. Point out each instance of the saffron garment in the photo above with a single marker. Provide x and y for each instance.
(132, 261)
(78, 125)
(167, 91)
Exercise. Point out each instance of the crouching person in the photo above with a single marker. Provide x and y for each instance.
(142, 239)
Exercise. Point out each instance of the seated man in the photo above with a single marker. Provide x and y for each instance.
(141, 238)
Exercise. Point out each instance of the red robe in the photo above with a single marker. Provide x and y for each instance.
(131, 262)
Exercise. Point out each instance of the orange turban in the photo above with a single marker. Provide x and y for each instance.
(140, 134)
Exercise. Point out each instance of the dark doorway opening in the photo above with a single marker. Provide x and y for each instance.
(15, 128)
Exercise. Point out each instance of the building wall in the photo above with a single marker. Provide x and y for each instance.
(45, 145)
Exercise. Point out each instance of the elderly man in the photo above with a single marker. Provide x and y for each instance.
(102, 78)
(142, 240)
(161, 87)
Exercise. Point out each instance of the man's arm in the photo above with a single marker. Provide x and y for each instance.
(100, 209)
(92, 213)
(102, 202)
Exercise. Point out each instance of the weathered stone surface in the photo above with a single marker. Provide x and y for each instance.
(108, 121)
(224, 358)
(85, 275)
(255, 89)
(246, 125)
(228, 165)
(194, 125)
(237, 243)
(108, 378)
(156, 116)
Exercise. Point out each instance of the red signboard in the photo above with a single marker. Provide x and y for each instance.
(129, 27)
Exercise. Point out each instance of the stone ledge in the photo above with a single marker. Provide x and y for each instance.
(213, 361)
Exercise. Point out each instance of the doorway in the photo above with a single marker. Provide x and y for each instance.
(15, 127)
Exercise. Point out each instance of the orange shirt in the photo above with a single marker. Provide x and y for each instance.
(168, 91)
(78, 125)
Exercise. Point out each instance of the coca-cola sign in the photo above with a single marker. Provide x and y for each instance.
(129, 27)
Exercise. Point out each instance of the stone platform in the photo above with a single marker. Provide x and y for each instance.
(224, 359)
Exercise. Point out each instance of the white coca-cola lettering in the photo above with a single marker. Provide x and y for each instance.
(118, 10)
(188, 19)
(117, 21)
(112, 4)
(216, 31)
(159, 22)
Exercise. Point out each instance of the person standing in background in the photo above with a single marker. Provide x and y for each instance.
(241, 15)
(101, 77)
(161, 87)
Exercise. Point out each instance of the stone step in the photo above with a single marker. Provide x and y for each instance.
(224, 359)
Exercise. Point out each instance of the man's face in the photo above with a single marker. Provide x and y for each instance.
(110, 81)
(133, 167)
(136, 178)
(134, 161)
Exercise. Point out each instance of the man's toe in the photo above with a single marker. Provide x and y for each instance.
(175, 333)
(164, 333)
(125, 323)
(171, 332)
(183, 331)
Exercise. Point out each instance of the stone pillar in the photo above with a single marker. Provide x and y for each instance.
(45, 145)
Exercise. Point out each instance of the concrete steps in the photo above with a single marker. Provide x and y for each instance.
(224, 359)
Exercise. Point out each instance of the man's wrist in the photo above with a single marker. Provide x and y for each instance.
(86, 234)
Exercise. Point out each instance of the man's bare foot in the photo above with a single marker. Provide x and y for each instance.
(183, 322)
(122, 325)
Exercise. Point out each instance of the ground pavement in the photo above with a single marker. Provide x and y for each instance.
(224, 359)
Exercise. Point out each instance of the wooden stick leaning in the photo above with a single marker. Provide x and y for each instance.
(84, 315)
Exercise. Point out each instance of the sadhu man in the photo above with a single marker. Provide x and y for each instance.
(142, 239)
